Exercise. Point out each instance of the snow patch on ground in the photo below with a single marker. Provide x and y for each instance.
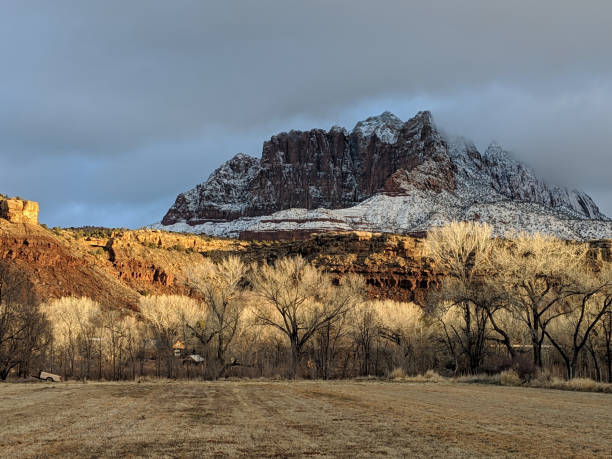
(416, 212)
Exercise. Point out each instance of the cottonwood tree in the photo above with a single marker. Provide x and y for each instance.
(464, 305)
(299, 300)
(221, 287)
(120, 340)
(23, 333)
(329, 340)
(606, 326)
(403, 325)
(535, 274)
(23, 330)
(581, 313)
(14, 330)
(75, 326)
(364, 329)
(167, 318)
(134, 341)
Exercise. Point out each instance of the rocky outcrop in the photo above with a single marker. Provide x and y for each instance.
(18, 210)
(117, 269)
(158, 262)
(314, 169)
(517, 182)
(384, 176)
(37, 265)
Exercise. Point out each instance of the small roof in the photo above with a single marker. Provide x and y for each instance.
(196, 358)
(178, 345)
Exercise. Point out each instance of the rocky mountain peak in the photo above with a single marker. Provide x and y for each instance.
(496, 152)
(425, 116)
(305, 178)
(386, 126)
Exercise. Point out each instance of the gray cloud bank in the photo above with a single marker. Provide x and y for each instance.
(108, 109)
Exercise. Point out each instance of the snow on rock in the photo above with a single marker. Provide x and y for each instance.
(416, 212)
(223, 195)
(384, 176)
(386, 126)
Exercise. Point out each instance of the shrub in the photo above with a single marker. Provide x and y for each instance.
(397, 373)
(432, 375)
(525, 368)
(479, 379)
(429, 376)
(541, 378)
(582, 384)
(509, 378)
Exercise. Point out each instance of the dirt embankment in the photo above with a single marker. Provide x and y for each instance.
(52, 265)
(117, 268)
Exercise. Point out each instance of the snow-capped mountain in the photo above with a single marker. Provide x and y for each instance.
(383, 176)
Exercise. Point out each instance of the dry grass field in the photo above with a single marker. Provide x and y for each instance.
(315, 419)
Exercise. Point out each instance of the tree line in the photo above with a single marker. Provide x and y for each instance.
(533, 303)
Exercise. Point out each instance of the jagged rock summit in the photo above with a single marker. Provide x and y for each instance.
(384, 176)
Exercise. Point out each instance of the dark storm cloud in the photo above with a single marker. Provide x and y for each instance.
(108, 109)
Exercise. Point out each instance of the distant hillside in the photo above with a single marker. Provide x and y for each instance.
(116, 269)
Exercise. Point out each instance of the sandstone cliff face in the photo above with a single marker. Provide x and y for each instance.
(316, 169)
(158, 262)
(117, 270)
(54, 265)
(19, 211)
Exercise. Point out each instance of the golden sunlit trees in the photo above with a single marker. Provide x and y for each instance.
(404, 325)
(463, 304)
(364, 331)
(122, 341)
(221, 287)
(535, 273)
(167, 318)
(75, 326)
(542, 282)
(579, 314)
(299, 300)
(330, 340)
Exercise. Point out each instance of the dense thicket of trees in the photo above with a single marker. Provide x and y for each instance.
(522, 291)
(24, 331)
(531, 302)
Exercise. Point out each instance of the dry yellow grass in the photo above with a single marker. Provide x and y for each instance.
(304, 418)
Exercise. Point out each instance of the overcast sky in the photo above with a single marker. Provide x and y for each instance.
(109, 109)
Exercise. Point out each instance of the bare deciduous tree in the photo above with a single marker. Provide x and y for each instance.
(365, 328)
(220, 286)
(299, 300)
(75, 325)
(166, 317)
(23, 330)
(534, 271)
(22, 333)
(463, 305)
(582, 311)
